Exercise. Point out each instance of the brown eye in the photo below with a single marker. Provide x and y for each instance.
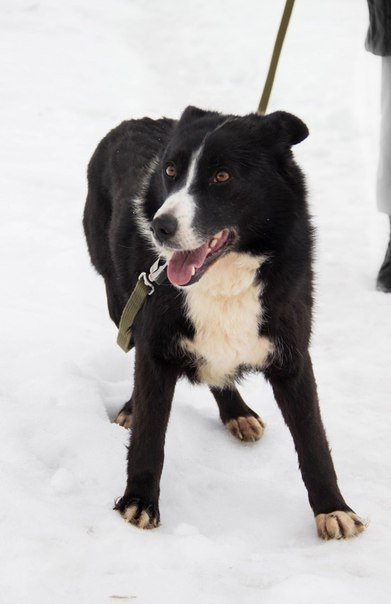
(171, 170)
(221, 176)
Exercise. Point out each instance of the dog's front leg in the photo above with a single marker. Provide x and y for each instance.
(153, 391)
(297, 398)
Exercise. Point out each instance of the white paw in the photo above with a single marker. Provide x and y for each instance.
(248, 428)
(142, 518)
(140, 512)
(339, 525)
(124, 419)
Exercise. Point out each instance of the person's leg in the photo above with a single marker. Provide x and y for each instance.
(383, 282)
(384, 170)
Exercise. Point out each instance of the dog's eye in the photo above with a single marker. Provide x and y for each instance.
(170, 170)
(221, 176)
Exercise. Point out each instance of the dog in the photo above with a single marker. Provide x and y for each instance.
(221, 199)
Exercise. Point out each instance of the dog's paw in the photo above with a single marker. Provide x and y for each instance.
(339, 525)
(247, 428)
(137, 512)
(124, 419)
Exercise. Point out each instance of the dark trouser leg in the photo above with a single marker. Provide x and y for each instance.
(240, 420)
(384, 277)
(153, 391)
(297, 398)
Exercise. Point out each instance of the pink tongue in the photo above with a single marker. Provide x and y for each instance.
(180, 267)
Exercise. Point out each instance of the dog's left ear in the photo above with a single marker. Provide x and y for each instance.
(193, 113)
(286, 127)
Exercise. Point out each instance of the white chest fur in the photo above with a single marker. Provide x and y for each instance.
(225, 309)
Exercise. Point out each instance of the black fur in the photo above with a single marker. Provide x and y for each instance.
(266, 205)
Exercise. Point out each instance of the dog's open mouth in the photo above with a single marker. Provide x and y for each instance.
(187, 266)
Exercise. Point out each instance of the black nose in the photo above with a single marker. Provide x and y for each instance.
(164, 227)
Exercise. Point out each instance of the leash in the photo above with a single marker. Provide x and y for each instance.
(286, 15)
(145, 285)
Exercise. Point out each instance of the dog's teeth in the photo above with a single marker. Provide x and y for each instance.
(193, 270)
(213, 243)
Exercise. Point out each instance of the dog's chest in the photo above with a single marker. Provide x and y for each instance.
(226, 323)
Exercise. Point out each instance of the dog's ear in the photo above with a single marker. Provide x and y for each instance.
(286, 127)
(193, 113)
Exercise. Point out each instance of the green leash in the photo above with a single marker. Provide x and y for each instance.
(145, 285)
(286, 15)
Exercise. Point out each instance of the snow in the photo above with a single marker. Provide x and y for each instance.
(236, 522)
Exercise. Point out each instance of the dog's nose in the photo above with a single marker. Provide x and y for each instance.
(164, 227)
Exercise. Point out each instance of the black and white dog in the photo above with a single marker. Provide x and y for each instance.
(222, 200)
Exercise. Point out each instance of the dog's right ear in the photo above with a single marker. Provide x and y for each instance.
(192, 113)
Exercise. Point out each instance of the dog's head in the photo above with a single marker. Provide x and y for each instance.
(230, 184)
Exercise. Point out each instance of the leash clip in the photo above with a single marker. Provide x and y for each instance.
(143, 277)
(155, 272)
(156, 269)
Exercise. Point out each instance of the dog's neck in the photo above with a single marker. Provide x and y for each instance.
(231, 275)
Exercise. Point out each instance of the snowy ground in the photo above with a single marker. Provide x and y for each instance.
(236, 523)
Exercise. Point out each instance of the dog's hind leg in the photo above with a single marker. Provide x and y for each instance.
(239, 419)
(125, 416)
